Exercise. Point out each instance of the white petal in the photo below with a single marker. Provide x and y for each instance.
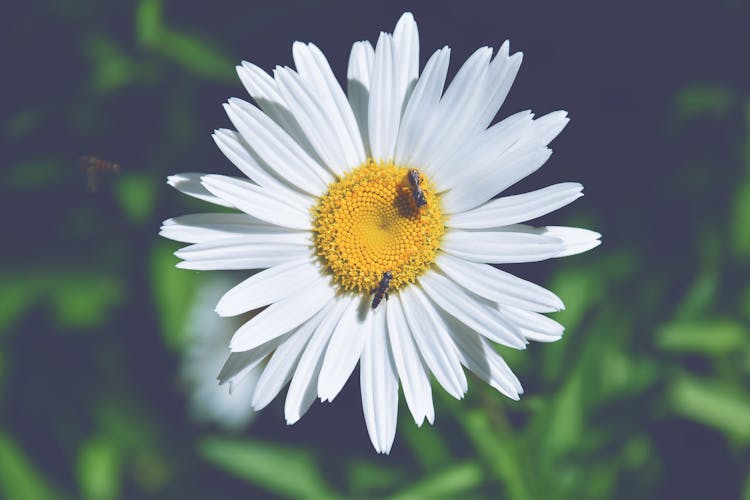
(281, 317)
(492, 175)
(435, 345)
(252, 251)
(509, 169)
(502, 72)
(262, 87)
(314, 118)
(518, 208)
(313, 67)
(479, 356)
(240, 364)
(478, 314)
(406, 45)
(284, 361)
(200, 228)
(344, 349)
(384, 109)
(498, 286)
(244, 157)
(500, 247)
(451, 128)
(190, 184)
(258, 202)
(279, 151)
(379, 386)
(303, 387)
(269, 286)
(482, 153)
(533, 326)
(358, 86)
(576, 240)
(411, 370)
(421, 108)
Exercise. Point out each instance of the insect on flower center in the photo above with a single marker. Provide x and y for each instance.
(369, 223)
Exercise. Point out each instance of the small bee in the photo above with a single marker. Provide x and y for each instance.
(92, 165)
(382, 289)
(416, 190)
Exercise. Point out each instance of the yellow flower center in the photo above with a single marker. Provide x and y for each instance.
(369, 223)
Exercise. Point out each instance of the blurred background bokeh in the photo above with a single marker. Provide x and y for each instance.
(646, 395)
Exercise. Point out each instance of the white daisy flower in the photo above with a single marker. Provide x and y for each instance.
(332, 205)
(205, 353)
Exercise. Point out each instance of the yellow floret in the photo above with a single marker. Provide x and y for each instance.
(367, 223)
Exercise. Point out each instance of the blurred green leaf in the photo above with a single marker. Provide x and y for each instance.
(197, 56)
(19, 479)
(449, 482)
(713, 336)
(700, 295)
(704, 99)
(113, 69)
(21, 123)
(136, 193)
(34, 174)
(740, 219)
(17, 294)
(148, 22)
(426, 442)
(84, 301)
(282, 470)
(173, 291)
(98, 469)
(500, 450)
(716, 403)
(369, 477)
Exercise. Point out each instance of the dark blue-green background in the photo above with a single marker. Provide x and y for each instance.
(646, 396)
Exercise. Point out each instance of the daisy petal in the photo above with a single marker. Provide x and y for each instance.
(406, 52)
(435, 345)
(358, 86)
(236, 149)
(283, 316)
(379, 386)
(482, 153)
(240, 364)
(303, 387)
(267, 287)
(479, 356)
(190, 184)
(284, 361)
(258, 202)
(498, 286)
(344, 349)
(262, 87)
(533, 326)
(411, 370)
(576, 240)
(476, 190)
(421, 107)
(254, 251)
(201, 228)
(384, 109)
(277, 148)
(501, 74)
(473, 311)
(313, 67)
(501, 247)
(517, 208)
(451, 127)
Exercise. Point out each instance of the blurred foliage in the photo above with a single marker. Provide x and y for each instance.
(646, 396)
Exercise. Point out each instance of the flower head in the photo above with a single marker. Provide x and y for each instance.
(389, 190)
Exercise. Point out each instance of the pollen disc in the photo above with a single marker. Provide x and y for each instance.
(368, 223)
